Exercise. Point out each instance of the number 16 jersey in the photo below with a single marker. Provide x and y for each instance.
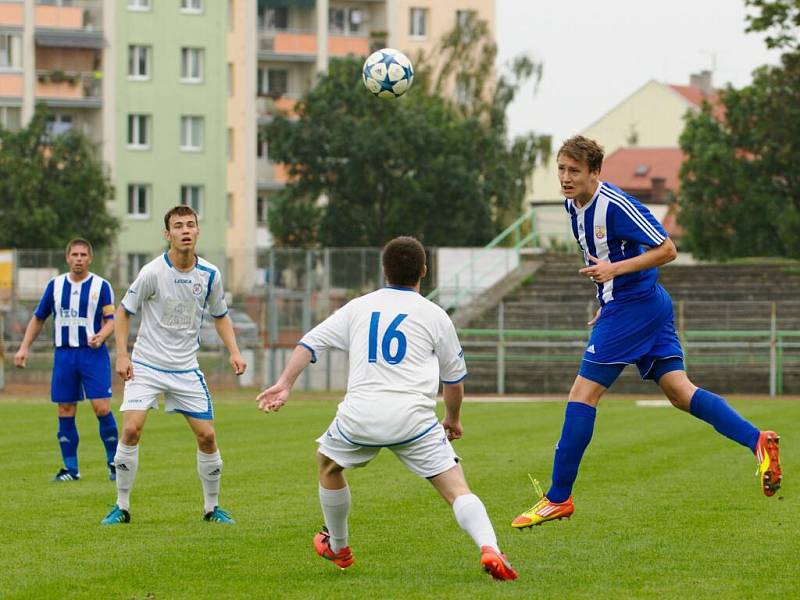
(400, 346)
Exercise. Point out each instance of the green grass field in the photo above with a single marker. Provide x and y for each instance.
(666, 508)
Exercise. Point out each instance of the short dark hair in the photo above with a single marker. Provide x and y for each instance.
(78, 241)
(583, 150)
(403, 261)
(181, 211)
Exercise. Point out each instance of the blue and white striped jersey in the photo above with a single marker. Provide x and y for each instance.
(614, 226)
(78, 309)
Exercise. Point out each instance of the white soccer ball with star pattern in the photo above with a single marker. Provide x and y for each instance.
(388, 73)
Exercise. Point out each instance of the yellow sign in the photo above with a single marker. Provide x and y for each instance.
(6, 269)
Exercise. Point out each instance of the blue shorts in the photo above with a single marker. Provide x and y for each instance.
(80, 373)
(640, 332)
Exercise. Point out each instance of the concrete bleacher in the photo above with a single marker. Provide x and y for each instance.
(706, 297)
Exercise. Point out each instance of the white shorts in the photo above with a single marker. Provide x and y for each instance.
(427, 456)
(184, 392)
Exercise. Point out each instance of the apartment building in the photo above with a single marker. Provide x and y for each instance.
(51, 52)
(295, 40)
(165, 122)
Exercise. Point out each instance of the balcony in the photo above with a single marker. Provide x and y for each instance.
(270, 175)
(69, 89)
(11, 14)
(10, 84)
(78, 25)
(269, 106)
(301, 46)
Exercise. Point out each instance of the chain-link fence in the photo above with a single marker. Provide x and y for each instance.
(530, 347)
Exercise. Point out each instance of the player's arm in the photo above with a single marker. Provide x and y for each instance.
(225, 331)
(106, 330)
(602, 270)
(271, 399)
(124, 368)
(453, 397)
(32, 331)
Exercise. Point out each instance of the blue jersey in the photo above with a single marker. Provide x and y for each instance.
(614, 226)
(78, 309)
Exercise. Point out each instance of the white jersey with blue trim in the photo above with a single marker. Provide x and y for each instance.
(614, 226)
(172, 305)
(400, 347)
(78, 308)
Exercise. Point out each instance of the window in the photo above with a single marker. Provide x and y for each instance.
(192, 133)
(139, 62)
(336, 20)
(274, 18)
(230, 145)
(11, 118)
(419, 17)
(135, 263)
(192, 6)
(356, 19)
(272, 82)
(57, 124)
(344, 21)
(192, 196)
(10, 51)
(228, 208)
(139, 5)
(139, 200)
(139, 131)
(192, 65)
(262, 150)
(463, 17)
(231, 81)
(262, 201)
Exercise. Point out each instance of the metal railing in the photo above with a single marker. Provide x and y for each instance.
(461, 286)
(777, 349)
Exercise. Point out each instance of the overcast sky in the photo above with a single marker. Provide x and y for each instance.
(596, 53)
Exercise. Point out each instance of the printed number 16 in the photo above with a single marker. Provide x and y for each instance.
(390, 334)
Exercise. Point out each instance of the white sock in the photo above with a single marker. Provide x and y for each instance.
(209, 467)
(471, 516)
(126, 460)
(335, 509)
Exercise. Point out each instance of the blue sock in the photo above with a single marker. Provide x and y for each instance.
(108, 435)
(716, 412)
(68, 440)
(575, 437)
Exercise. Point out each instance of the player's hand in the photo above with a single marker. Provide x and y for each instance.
(596, 316)
(272, 398)
(20, 358)
(95, 341)
(124, 368)
(238, 363)
(600, 272)
(453, 429)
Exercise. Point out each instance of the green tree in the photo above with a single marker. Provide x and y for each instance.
(363, 169)
(779, 19)
(52, 189)
(740, 183)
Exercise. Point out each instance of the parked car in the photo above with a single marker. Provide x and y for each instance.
(246, 330)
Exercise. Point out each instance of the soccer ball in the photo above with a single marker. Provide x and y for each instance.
(388, 73)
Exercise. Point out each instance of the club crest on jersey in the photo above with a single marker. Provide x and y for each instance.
(197, 289)
(599, 232)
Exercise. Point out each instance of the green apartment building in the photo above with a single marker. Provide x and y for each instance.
(165, 122)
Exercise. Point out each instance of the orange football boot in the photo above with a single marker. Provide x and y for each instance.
(322, 544)
(496, 564)
(769, 464)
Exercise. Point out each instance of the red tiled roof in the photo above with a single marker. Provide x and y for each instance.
(696, 96)
(620, 168)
